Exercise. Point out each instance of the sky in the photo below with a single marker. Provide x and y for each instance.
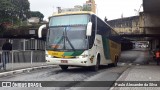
(111, 9)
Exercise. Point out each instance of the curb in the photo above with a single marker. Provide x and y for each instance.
(2, 74)
(122, 77)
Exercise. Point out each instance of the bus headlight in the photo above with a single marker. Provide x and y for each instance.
(84, 56)
(48, 56)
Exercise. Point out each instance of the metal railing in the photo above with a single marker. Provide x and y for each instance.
(16, 59)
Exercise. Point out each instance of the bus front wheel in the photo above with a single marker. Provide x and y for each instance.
(96, 67)
(63, 67)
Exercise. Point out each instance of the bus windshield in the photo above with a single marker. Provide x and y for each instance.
(69, 20)
(67, 38)
(67, 33)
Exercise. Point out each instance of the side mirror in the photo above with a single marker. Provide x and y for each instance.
(40, 30)
(89, 29)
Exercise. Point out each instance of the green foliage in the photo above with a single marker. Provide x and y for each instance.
(15, 13)
(22, 8)
(12, 9)
(37, 14)
(5, 10)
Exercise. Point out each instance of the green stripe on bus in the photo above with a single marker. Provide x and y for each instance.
(75, 53)
(68, 53)
(106, 47)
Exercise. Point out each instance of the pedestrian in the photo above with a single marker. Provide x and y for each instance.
(157, 54)
(7, 47)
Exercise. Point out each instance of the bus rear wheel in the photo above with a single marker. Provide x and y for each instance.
(116, 61)
(63, 67)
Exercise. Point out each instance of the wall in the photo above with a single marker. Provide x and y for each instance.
(129, 25)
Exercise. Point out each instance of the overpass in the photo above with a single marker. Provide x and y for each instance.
(150, 20)
(151, 6)
(146, 26)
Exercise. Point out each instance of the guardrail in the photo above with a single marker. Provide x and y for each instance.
(17, 59)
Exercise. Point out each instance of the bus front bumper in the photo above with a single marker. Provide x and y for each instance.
(69, 62)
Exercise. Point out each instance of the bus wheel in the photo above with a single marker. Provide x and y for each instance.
(96, 67)
(63, 67)
(116, 61)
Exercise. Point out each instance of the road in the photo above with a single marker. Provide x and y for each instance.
(128, 59)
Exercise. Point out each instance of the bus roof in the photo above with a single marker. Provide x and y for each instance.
(74, 13)
(80, 12)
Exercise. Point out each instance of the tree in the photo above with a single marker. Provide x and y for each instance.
(37, 14)
(14, 9)
(22, 8)
(6, 8)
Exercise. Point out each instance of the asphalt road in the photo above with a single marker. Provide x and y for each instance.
(79, 74)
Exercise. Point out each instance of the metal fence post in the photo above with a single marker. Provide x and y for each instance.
(1, 59)
(12, 59)
(24, 44)
(31, 57)
(36, 44)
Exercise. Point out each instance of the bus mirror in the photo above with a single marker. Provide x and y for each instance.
(40, 30)
(89, 29)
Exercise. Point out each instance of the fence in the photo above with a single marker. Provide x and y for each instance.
(22, 59)
(25, 53)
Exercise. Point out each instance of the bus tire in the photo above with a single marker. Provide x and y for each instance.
(96, 67)
(116, 61)
(64, 67)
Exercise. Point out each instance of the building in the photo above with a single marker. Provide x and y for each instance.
(34, 20)
(76, 8)
(128, 25)
(89, 6)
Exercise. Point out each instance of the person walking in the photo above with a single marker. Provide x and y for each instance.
(157, 54)
(7, 47)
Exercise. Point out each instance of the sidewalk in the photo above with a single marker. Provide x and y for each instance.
(144, 72)
(140, 73)
(23, 67)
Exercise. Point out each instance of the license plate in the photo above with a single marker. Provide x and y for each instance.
(64, 61)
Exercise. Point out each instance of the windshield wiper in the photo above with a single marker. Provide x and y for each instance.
(65, 37)
(68, 40)
(58, 43)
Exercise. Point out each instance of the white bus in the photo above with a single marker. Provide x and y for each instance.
(80, 39)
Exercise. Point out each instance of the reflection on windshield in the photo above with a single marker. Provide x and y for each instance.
(67, 38)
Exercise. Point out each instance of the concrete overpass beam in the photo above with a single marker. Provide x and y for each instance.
(150, 22)
(151, 5)
(152, 31)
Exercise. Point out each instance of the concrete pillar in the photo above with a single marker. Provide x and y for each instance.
(155, 43)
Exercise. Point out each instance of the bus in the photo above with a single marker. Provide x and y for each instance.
(80, 39)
